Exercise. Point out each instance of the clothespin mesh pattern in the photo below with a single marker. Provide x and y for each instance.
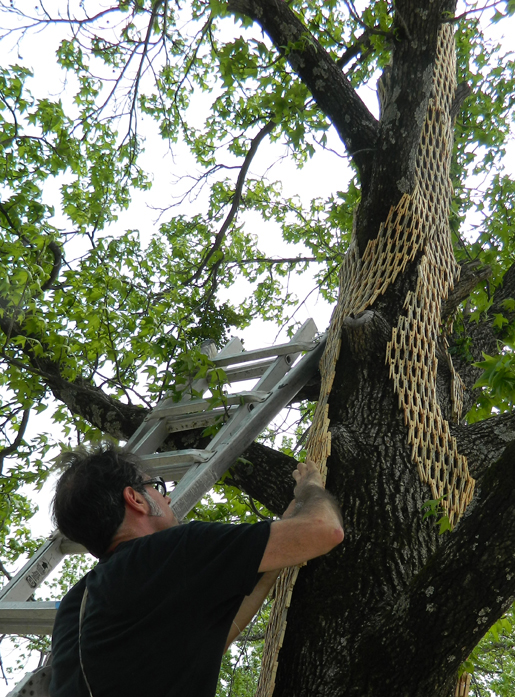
(417, 228)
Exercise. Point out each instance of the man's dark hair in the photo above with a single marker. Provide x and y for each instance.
(88, 505)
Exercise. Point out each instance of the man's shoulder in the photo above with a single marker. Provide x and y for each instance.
(202, 529)
(226, 539)
(218, 530)
(179, 546)
(204, 538)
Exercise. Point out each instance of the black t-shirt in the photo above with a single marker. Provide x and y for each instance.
(158, 613)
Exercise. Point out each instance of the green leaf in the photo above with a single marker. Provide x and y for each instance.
(445, 525)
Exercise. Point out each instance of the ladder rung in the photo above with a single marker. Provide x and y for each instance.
(279, 350)
(27, 617)
(69, 547)
(194, 406)
(173, 465)
(248, 372)
(188, 422)
(150, 435)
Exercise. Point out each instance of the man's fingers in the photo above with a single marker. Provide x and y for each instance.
(304, 469)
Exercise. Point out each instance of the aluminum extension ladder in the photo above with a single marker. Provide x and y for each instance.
(196, 470)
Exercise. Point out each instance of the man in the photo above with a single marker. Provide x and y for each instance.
(166, 600)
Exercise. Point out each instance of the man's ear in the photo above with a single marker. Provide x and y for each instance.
(135, 500)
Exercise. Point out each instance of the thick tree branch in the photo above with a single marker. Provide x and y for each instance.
(366, 334)
(80, 396)
(484, 442)
(265, 474)
(505, 291)
(363, 41)
(318, 71)
(462, 591)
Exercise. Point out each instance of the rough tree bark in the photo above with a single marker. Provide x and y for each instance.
(396, 608)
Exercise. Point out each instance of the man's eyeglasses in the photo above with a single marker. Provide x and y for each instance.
(158, 483)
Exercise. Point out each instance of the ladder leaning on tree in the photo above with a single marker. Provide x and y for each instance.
(246, 414)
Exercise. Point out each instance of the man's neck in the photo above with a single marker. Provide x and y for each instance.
(133, 527)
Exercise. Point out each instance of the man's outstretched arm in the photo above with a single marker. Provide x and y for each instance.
(311, 526)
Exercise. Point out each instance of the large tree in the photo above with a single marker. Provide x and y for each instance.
(421, 406)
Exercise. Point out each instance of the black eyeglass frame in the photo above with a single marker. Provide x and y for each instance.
(158, 483)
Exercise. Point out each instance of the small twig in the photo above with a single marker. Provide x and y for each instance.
(4, 676)
(144, 51)
(256, 141)
(450, 20)
(259, 515)
(357, 18)
(274, 262)
(5, 452)
(4, 571)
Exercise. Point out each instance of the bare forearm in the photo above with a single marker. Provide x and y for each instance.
(311, 525)
(310, 499)
(251, 605)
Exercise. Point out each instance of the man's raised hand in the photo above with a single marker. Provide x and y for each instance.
(311, 525)
(307, 473)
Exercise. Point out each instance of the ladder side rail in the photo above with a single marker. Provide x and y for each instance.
(200, 479)
(152, 432)
(34, 572)
(270, 380)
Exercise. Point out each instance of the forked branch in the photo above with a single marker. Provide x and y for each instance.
(256, 141)
(331, 90)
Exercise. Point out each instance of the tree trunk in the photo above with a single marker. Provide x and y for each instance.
(398, 607)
